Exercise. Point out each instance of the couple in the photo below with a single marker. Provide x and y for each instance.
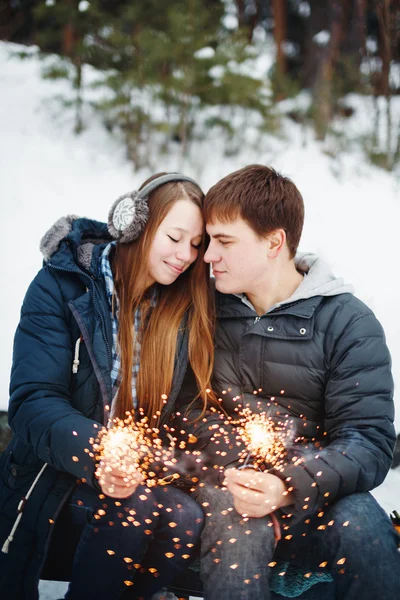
(121, 319)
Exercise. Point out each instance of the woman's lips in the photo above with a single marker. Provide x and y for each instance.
(174, 267)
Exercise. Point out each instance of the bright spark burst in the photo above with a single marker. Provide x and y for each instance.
(265, 440)
(132, 447)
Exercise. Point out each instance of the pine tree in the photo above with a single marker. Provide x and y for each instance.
(64, 28)
(163, 73)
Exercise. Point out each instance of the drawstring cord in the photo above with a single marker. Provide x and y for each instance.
(75, 363)
(21, 507)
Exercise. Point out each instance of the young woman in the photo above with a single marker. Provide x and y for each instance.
(111, 324)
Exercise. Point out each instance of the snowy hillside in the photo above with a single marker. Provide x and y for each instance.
(352, 216)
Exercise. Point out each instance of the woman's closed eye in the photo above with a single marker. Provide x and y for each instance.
(195, 246)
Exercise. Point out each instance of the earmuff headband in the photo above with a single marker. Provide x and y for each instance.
(168, 178)
(130, 212)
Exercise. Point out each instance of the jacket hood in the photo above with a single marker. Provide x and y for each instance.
(319, 279)
(84, 236)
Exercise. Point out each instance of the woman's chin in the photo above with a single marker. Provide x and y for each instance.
(166, 278)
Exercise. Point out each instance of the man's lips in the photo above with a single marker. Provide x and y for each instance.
(174, 267)
(218, 272)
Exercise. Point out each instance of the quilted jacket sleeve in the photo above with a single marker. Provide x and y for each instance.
(359, 412)
(40, 411)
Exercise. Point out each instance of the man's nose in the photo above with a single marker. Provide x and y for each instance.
(210, 256)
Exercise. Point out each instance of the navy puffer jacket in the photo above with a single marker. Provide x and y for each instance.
(320, 362)
(55, 412)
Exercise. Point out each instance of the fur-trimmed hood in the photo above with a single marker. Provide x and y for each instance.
(81, 234)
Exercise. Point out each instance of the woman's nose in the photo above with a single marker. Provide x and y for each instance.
(186, 253)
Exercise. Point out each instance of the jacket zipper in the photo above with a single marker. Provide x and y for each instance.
(95, 365)
(92, 278)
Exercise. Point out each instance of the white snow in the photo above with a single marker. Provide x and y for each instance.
(230, 21)
(322, 37)
(304, 9)
(352, 208)
(217, 71)
(206, 52)
(83, 6)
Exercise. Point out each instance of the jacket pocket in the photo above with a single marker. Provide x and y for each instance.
(17, 476)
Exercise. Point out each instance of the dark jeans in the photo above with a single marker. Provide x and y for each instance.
(126, 548)
(353, 540)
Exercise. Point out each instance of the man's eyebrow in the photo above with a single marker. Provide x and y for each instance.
(218, 236)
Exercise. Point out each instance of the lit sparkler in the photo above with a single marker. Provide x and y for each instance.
(264, 439)
(133, 447)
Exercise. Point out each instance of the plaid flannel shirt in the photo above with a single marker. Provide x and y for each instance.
(116, 374)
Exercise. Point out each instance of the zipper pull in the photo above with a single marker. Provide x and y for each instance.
(76, 361)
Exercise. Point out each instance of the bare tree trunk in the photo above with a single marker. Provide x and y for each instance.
(317, 21)
(78, 107)
(279, 11)
(323, 96)
(358, 33)
(396, 156)
(184, 123)
(68, 40)
(241, 13)
(389, 153)
(133, 127)
(69, 45)
(10, 22)
(253, 19)
(248, 15)
(383, 14)
(377, 121)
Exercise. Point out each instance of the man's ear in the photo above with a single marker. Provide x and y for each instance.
(277, 240)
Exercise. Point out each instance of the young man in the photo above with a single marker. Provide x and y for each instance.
(292, 341)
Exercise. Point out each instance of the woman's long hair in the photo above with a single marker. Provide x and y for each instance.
(189, 293)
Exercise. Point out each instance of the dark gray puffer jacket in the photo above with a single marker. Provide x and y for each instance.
(320, 361)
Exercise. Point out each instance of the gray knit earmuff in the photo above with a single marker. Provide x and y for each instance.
(130, 212)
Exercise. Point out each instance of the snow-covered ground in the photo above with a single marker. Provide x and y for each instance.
(352, 208)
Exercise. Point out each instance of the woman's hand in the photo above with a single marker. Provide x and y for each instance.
(115, 482)
(256, 494)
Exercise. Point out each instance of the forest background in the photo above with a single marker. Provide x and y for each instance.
(170, 72)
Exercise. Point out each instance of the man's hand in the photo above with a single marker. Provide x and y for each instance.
(115, 483)
(256, 494)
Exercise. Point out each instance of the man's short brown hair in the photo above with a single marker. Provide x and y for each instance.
(263, 198)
